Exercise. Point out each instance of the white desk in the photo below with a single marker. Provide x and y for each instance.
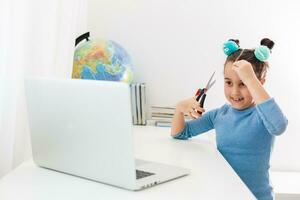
(211, 177)
(286, 184)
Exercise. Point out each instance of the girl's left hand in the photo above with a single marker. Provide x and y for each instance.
(244, 70)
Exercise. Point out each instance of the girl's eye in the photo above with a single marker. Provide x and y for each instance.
(242, 85)
(229, 83)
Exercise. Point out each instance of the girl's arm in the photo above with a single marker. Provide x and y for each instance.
(178, 122)
(270, 113)
(190, 107)
(246, 73)
(258, 92)
(272, 117)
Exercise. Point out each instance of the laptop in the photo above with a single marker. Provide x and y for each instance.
(84, 128)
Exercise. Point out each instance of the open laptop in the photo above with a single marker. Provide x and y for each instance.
(84, 128)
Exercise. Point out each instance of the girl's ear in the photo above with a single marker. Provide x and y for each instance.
(262, 81)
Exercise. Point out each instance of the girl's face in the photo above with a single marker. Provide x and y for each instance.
(235, 91)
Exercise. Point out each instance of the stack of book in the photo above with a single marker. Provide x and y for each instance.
(138, 102)
(163, 115)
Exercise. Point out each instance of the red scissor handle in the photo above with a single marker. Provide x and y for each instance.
(198, 92)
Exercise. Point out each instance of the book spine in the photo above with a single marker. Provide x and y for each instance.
(143, 103)
(163, 124)
(138, 103)
(133, 103)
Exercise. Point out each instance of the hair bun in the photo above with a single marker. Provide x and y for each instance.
(236, 41)
(267, 42)
(262, 53)
(230, 46)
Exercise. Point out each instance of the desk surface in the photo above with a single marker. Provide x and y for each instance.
(211, 177)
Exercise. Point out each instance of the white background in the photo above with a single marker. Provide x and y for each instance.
(175, 45)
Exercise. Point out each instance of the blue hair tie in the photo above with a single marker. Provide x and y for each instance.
(262, 53)
(230, 47)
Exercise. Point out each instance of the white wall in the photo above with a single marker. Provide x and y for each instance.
(177, 44)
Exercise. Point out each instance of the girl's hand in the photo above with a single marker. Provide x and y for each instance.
(190, 107)
(244, 70)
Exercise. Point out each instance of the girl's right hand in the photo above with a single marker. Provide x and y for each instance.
(190, 107)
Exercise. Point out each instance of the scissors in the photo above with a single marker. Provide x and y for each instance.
(201, 92)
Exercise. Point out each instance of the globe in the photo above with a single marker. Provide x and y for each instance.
(102, 60)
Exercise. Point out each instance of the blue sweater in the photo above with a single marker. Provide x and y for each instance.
(245, 139)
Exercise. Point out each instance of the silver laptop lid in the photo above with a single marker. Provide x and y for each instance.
(82, 127)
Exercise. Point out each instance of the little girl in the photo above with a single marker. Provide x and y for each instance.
(246, 127)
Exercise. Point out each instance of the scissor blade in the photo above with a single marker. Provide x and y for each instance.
(208, 83)
(207, 88)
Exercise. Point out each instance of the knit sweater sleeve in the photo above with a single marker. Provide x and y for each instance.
(272, 117)
(198, 126)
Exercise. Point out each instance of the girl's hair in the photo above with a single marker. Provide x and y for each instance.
(259, 67)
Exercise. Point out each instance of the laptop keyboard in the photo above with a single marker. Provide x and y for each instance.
(142, 174)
